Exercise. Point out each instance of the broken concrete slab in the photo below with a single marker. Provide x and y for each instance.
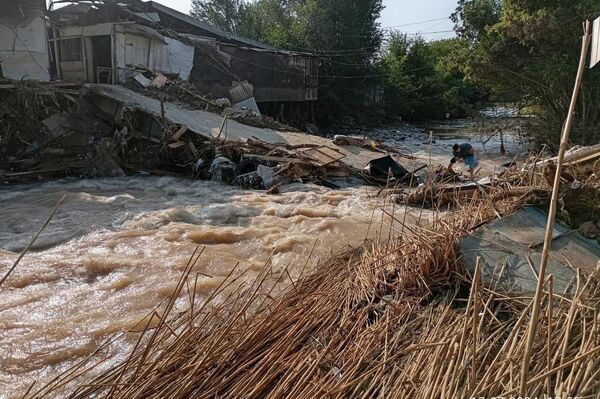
(510, 251)
(141, 79)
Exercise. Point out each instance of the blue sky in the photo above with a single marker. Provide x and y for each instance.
(414, 12)
(397, 12)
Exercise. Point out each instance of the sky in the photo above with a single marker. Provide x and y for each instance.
(397, 12)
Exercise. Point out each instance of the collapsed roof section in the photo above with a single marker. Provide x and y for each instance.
(159, 16)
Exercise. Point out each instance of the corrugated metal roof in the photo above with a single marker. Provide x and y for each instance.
(507, 247)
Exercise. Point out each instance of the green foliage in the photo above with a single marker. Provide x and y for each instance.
(424, 80)
(224, 14)
(344, 32)
(528, 50)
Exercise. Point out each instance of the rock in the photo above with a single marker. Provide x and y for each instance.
(589, 230)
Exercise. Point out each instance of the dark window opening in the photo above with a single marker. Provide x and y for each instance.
(70, 50)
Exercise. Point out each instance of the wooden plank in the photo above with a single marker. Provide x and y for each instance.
(323, 155)
(179, 133)
(277, 159)
(177, 144)
(194, 150)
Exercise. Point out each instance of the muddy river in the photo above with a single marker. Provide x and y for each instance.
(117, 247)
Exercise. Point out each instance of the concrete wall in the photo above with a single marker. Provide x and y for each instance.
(23, 41)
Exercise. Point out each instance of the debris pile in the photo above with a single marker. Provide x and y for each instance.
(108, 130)
(580, 191)
(47, 132)
(156, 85)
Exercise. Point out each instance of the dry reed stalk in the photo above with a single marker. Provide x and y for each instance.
(385, 320)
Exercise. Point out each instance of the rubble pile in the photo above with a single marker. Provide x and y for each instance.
(157, 85)
(46, 131)
(107, 130)
(579, 197)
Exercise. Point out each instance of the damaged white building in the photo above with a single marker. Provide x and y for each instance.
(23, 40)
(111, 50)
(113, 41)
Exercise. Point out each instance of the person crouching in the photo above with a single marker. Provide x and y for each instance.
(464, 153)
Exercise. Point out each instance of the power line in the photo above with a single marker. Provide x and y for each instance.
(415, 23)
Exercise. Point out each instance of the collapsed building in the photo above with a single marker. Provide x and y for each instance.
(54, 61)
(109, 41)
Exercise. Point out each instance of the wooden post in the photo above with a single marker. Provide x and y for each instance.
(222, 127)
(552, 213)
(163, 119)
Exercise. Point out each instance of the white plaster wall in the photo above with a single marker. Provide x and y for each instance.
(130, 50)
(23, 44)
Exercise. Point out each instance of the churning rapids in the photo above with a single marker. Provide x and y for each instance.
(117, 247)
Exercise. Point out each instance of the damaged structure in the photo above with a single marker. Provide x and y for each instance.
(112, 41)
(98, 88)
(23, 40)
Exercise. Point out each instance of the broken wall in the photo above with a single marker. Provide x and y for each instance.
(23, 40)
(132, 45)
(174, 58)
(150, 50)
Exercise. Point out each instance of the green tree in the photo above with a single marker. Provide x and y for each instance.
(425, 81)
(528, 50)
(268, 21)
(345, 33)
(224, 14)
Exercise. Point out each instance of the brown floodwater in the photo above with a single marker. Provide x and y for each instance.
(117, 248)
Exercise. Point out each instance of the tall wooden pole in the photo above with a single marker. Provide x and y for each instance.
(552, 213)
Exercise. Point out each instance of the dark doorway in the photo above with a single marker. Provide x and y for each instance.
(102, 59)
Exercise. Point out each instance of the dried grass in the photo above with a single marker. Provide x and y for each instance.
(389, 320)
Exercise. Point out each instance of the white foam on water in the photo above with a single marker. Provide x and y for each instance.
(117, 247)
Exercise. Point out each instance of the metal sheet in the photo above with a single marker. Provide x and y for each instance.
(241, 91)
(507, 247)
(249, 104)
(527, 227)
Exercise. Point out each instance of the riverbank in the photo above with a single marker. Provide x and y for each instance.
(117, 246)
